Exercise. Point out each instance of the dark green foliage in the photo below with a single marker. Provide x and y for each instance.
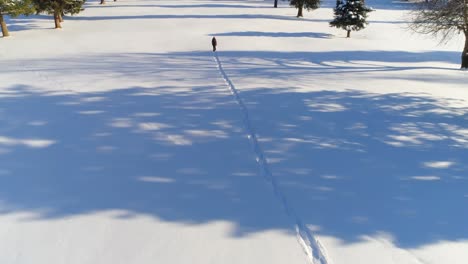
(350, 15)
(59, 8)
(13, 8)
(304, 4)
(70, 7)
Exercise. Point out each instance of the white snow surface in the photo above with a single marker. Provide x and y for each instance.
(123, 139)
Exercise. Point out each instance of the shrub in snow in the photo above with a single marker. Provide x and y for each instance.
(350, 15)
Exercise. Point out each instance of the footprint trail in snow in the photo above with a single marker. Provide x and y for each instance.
(315, 252)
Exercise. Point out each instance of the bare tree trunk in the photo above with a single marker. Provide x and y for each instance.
(57, 19)
(4, 27)
(464, 56)
(348, 34)
(299, 11)
(103, 2)
(60, 18)
(276, 3)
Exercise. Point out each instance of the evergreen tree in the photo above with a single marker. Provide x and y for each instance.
(307, 4)
(58, 8)
(350, 15)
(13, 8)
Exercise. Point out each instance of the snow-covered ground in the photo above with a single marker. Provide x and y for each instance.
(124, 140)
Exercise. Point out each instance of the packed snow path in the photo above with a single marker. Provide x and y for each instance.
(311, 245)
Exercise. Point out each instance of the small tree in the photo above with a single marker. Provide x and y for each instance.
(58, 8)
(13, 8)
(350, 15)
(307, 4)
(443, 19)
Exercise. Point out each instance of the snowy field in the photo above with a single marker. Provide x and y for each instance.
(123, 139)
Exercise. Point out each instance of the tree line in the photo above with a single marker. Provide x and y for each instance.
(440, 18)
(350, 15)
(57, 8)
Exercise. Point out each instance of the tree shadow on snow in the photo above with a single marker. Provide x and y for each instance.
(379, 4)
(215, 16)
(276, 34)
(357, 164)
(182, 6)
(176, 156)
(225, 5)
(350, 163)
(297, 63)
(188, 16)
(21, 23)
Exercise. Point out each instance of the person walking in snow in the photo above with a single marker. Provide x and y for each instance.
(214, 43)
